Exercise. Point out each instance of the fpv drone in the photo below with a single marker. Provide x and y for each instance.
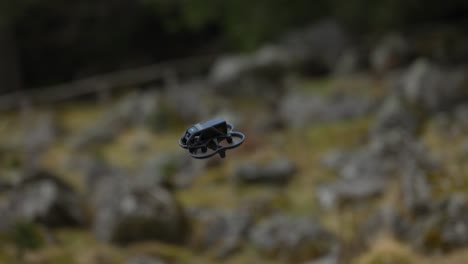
(210, 138)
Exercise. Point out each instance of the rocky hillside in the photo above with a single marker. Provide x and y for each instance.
(352, 155)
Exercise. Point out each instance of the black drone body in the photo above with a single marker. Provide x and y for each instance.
(210, 138)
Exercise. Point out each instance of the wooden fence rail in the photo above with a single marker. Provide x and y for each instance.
(107, 82)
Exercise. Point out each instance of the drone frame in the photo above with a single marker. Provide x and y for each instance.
(195, 142)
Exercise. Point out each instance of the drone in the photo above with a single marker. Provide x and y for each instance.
(206, 139)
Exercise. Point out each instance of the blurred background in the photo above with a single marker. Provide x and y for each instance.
(355, 115)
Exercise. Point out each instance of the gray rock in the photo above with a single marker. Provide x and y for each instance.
(221, 232)
(91, 169)
(230, 69)
(415, 187)
(45, 199)
(39, 135)
(365, 172)
(350, 62)
(390, 53)
(297, 239)
(261, 73)
(186, 101)
(394, 114)
(321, 44)
(432, 88)
(169, 170)
(42, 133)
(443, 228)
(385, 220)
(277, 172)
(335, 159)
(452, 123)
(349, 190)
(124, 213)
(299, 110)
(133, 109)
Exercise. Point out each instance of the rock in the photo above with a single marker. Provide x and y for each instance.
(320, 45)
(144, 260)
(230, 69)
(365, 172)
(45, 199)
(133, 109)
(42, 133)
(349, 190)
(390, 53)
(277, 172)
(334, 159)
(415, 187)
(38, 137)
(440, 228)
(251, 75)
(91, 169)
(297, 239)
(385, 220)
(431, 88)
(186, 101)
(443, 228)
(299, 110)
(351, 61)
(395, 115)
(125, 214)
(221, 232)
(452, 123)
(316, 48)
(169, 171)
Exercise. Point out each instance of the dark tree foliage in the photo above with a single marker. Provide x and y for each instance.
(62, 40)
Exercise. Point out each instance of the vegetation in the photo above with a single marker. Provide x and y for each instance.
(59, 41)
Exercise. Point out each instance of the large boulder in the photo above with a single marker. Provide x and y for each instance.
(317, 49)
(276, 172)
(186, 101)
(365, 172)
(416, 190)
(392, 52)
(444, 227)
(431, 88)
(168, 170)
(125, 213)
(319, 45)
(45, 199)
(440, 227)
(349, 190)
(221, 232)
(297, 239)
(38, 136)
(230, 69)
(298, 109)
(394, 114)
(260, 74)
(452, 123)
(133, 109)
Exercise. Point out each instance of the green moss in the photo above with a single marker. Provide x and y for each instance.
(320, 86)
(26, 236)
